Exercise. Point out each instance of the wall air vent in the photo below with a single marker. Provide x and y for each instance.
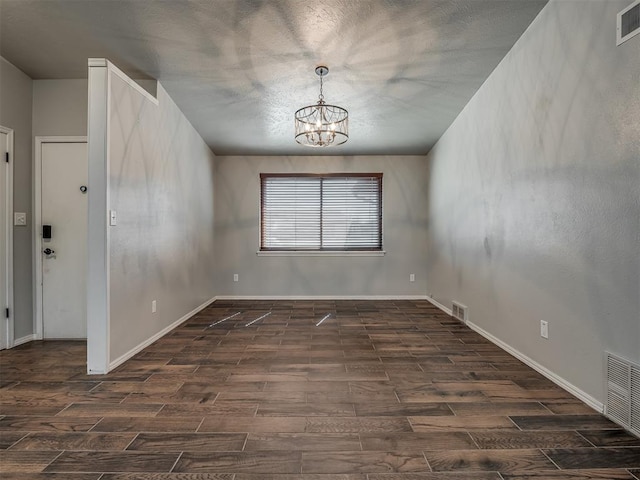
(623, 393)
(460, 312)
(628, 23)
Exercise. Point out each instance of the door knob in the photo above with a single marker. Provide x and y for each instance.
(48, 251)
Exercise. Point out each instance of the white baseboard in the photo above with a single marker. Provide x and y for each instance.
(25, 339)
(440, 306)
(561, 382)
(321, 297)
(123, 358)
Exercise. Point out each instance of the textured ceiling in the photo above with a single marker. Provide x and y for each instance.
(239, 69)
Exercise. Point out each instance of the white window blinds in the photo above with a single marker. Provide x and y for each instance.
(337, 212)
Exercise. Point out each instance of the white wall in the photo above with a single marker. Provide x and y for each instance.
(534, 196)
(237, 227)
(160, 183)
(15, 113)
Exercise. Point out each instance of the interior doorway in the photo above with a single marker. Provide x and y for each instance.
(61, 237)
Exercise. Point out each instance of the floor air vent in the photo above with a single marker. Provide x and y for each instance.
(460, 312)
(623, 393)
(628, 23)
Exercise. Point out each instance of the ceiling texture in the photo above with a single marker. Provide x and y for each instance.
(239, 69)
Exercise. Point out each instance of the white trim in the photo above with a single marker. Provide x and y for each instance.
(26, 339)
(123, 358)
(320, 253)
(561, 382)
(321, 297)
(97, 62)
(440, 306)
(9, 238)
(36, 224)
(98, 276)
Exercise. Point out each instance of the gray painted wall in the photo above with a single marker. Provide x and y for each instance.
(15, 113)
(60, 107)
(161, 185)
(34, 107)
(237, 227)
(534, 196)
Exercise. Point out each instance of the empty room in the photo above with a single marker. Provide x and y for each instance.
(330, 240)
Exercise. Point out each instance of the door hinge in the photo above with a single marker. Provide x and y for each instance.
(6, 312)
(6, 157)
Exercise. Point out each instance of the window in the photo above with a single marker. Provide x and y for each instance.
(336, 212)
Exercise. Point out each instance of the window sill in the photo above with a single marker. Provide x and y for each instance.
(311, 253)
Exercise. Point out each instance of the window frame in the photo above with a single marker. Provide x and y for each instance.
(378, 250)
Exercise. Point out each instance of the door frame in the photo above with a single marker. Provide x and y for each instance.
(9, 238)
(37, 221)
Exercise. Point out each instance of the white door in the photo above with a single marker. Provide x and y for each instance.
(4, 240)
(64, 255)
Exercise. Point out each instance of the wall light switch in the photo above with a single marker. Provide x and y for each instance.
(235, 277)
(113, 218)
(19, 218)
(153, 306)
(544, 329)
(412, 277)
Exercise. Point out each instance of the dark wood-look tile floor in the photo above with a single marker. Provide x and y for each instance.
(385, 390)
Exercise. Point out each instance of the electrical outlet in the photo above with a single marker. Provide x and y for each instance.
(412, 277)
(544, 329)
(153, 306)
(235, 277)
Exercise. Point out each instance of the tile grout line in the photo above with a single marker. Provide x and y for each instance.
(224, 319)
(323, 319)
(424, 454)
(546, 408)
(95, 424)
(200, 424)
(131, 442)
(53, 460)
(258, 319)
(545, 454)
(64, 409)
(473, 440)
(593, 444)
(176, 462)
(513, 421)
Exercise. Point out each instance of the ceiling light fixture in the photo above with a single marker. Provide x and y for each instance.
(322, 125)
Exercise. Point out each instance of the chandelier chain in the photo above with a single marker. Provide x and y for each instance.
(321, 96)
